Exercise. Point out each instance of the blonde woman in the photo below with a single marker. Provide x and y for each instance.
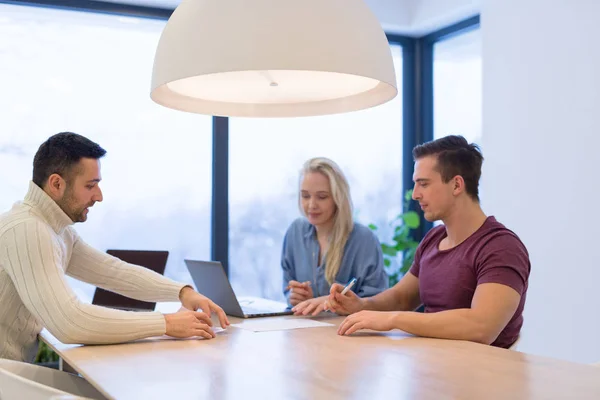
(326, 246)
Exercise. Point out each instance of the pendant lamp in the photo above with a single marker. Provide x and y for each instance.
(272, 58)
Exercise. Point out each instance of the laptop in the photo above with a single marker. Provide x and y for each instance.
(210, 280)
(153, 260)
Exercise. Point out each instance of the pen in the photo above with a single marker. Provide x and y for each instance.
(349, 285)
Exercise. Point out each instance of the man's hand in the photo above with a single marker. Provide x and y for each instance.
(375, 320)
(186, 323)
(310, 306)
(193, 300)
(343, 304)
(299, 292)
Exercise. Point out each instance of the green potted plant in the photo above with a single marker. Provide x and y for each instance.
(46, 356)
(399, 255)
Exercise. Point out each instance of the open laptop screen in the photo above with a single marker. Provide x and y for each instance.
(210, 280)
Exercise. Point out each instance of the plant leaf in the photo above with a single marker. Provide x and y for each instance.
(389, 250)
(401, 246)
(411, 219)
(402, 234)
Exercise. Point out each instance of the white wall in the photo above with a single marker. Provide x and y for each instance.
(395, 15)
(541, 140)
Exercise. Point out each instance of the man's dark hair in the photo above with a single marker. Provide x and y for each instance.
(60, 154)
(455, 156)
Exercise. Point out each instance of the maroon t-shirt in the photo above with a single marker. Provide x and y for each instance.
(493, 254)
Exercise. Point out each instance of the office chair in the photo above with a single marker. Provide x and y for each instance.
(20, 380)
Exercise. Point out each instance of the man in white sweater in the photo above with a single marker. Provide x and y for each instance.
(38, 247)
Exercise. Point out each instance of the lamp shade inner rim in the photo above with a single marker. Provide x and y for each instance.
(272, 87)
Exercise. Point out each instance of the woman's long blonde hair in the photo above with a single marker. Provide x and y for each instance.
(343, 223)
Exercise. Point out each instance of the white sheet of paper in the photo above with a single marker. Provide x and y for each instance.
(216, 330)
(279, 324)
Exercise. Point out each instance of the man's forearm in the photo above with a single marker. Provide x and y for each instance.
(461, 324)
(387, 301)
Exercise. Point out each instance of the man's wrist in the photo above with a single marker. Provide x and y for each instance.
(184, 290)
(396, 320)
(365, 304)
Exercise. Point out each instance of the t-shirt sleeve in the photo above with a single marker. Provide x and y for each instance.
(504, 260)
(416, 267)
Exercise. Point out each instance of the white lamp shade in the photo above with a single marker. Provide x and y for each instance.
(272, 58)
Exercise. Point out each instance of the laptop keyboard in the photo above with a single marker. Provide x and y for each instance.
(252, 311)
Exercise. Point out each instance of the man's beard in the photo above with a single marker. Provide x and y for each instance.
(68, 205)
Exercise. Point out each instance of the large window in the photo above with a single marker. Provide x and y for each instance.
(457, 87)
(90, 73)
(265, 159)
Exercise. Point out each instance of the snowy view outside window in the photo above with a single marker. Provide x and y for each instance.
(457, 88)
(90, 73)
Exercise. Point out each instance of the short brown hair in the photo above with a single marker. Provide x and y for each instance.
(59, 155)
(455, 156)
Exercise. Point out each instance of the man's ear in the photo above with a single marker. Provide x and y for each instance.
(56, 186)
(459, 185)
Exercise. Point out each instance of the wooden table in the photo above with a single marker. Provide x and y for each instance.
(316, 363)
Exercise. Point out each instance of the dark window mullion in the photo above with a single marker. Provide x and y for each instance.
(220, 192)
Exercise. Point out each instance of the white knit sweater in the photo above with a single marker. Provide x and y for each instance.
(37, 248)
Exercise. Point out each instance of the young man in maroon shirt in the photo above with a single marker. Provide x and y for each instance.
(471, 273)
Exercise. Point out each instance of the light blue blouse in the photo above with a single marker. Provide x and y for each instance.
(362, 260)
